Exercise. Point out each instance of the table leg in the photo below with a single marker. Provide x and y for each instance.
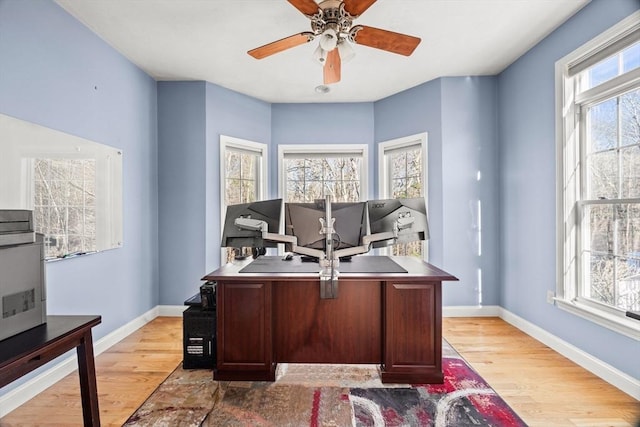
(88, 387)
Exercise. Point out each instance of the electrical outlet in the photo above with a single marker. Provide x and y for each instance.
(550, 296)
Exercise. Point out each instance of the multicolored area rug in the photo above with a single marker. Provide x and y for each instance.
(327, 395)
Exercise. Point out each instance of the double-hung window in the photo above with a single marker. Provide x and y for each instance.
(402, 174)
(243, 178)
(311, 172)
(599, 178)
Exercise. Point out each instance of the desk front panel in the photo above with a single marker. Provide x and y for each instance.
(244, 320)
(347, 329)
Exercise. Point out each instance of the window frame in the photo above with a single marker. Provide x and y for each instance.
(229, 142)
(571, 160)
(319, 150)
(384, 182)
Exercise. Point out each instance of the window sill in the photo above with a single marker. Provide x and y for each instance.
(623, 325)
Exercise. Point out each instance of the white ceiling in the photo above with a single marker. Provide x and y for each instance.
(209, 39)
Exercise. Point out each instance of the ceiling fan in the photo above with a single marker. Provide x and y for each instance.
(332, 23)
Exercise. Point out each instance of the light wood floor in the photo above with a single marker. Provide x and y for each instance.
(544, 388)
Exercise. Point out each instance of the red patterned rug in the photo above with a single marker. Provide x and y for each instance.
(327, 395)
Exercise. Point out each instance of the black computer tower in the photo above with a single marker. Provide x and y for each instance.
(199, 338)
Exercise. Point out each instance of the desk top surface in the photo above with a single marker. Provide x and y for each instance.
(34, 339)
(415, 269)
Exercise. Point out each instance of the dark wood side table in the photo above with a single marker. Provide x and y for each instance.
(26, 351)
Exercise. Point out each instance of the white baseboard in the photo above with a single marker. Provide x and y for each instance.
(26, 391)
(471, 311)
(171, 310)
(613, 376)
(21, 394)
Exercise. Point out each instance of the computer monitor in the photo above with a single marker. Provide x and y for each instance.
(409, 215)
(303, 221)
(269, 211)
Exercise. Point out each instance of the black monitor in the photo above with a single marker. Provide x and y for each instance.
(303, 221)
(268, 211)
(409, 214)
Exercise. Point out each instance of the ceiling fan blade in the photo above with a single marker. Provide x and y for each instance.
(357, 7)
(331, 69)
(402, 44)
(280, 45)
(307, 7)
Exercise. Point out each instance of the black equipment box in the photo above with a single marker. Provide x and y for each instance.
(199, 338)
(208, 296)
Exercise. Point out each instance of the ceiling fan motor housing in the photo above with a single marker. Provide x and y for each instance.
(332, 15)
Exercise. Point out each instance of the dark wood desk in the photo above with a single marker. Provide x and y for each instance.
(392, 319)
(33, 348)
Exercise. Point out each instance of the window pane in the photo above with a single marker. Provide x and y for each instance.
(399, 188)
(603, 125)
(601, 288)
(314, 169)
(603, 175)
(295, 169)
(314, 191)
(630, 117)
(631, 57)
(614, 257)
(609, 68)
(627, 287)
(315, 178)
(398, 162)
(414, 162)
(600, 228)
(249, 166)
(628, 230)
(630, 172)
(249, 193)
(603, 71)
(233, 164)
(414, 186)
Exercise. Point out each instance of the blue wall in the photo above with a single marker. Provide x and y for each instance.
(191, 118)
(181, 188)
(321, 124)
(528, 187)
(58, 74)
(459, 115)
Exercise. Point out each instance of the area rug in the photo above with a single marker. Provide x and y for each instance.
(327, 395)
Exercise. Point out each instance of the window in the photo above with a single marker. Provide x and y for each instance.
(310, 172)
(243, 169)
(599, 178)
(403, 172)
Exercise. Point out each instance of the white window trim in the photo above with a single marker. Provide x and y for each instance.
(383, 171)
(320, 149)
(567, 231)
(227, 142)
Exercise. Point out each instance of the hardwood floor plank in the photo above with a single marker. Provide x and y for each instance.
(543, 387)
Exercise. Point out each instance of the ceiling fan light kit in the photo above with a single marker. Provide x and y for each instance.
(332, 23)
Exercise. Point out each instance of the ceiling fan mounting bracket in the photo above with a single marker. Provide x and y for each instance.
(332, 14)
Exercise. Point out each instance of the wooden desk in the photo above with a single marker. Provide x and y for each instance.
(31, 349)
(392, 319)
